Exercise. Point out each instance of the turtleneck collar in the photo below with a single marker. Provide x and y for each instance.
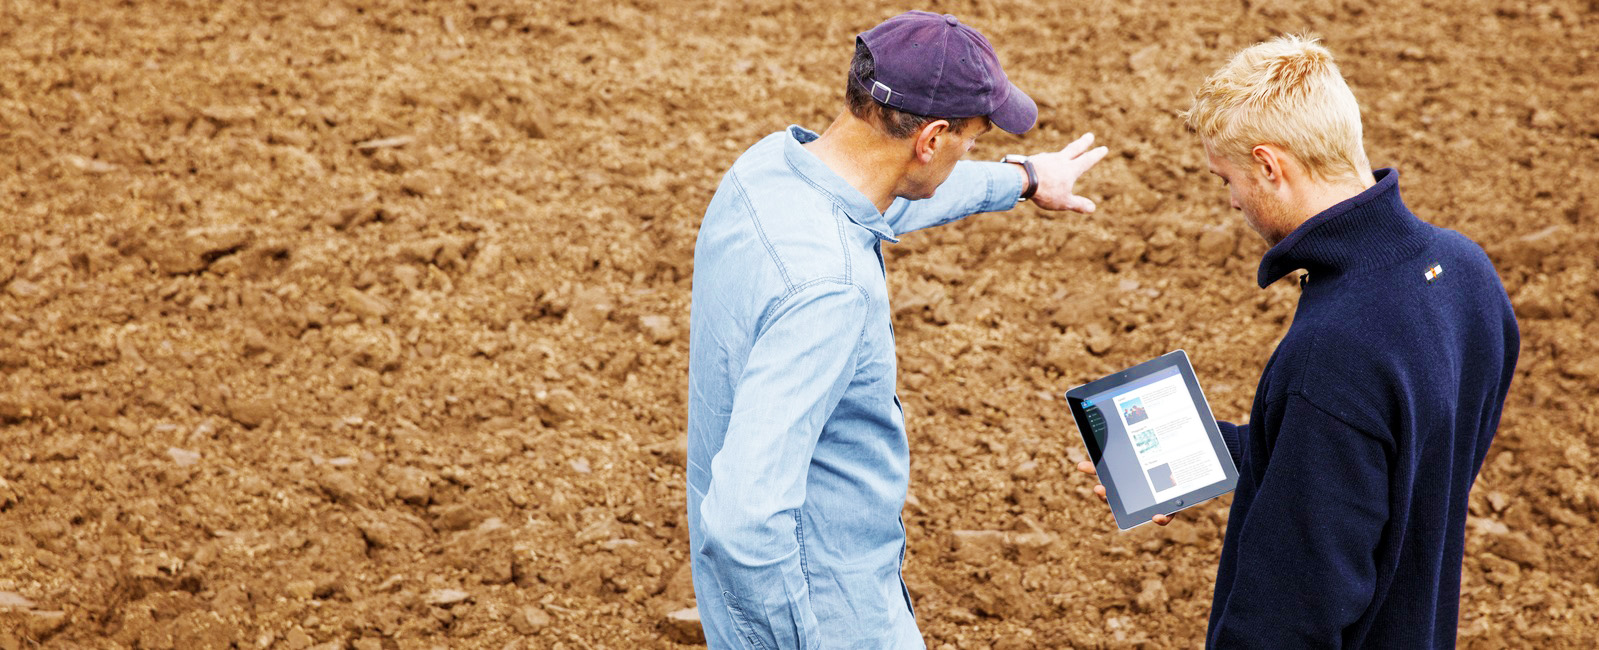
(1369, 230)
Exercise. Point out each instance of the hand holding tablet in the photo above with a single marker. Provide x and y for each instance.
(1152, 440)
(1099, 489)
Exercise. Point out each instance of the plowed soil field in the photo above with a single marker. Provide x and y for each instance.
(363, 323)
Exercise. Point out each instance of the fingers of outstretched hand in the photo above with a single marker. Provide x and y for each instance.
(1084, 162)
(1100, 490)
(1161, 520)
(1080, 204)
(1078, 146)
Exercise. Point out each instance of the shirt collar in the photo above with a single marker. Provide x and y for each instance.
(854, 204)
(1369, 230)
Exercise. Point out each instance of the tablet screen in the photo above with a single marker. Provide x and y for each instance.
(1150, 428)
(1152, 439)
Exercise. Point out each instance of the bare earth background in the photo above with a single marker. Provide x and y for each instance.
(363, 324)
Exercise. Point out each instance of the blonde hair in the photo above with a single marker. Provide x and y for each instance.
(1286, 92)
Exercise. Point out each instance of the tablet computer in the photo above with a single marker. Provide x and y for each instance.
(1152, 439)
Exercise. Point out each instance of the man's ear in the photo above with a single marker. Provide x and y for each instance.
(928, 140)
(1268, 163)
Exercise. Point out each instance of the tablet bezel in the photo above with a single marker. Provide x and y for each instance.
(1174, 359)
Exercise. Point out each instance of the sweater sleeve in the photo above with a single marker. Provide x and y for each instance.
(1233, 436)
(1306, 549)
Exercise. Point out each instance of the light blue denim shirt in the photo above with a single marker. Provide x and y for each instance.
(797, 458)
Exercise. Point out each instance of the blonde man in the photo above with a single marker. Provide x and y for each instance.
(1372, 417)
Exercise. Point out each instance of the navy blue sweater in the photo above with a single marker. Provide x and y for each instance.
(1369, 425)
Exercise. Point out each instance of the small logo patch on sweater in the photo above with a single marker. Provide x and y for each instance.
(1433, 272)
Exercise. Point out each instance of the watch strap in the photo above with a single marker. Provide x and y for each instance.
(1032, 174)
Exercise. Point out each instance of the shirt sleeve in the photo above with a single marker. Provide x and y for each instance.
(797, 372)
(1306, 567)
(971, 188)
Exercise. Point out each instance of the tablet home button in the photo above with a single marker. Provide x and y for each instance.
(1179, 502)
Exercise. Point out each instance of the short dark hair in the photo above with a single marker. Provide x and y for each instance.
(896, 123)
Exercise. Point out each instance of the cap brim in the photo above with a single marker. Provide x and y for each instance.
(1018, 114)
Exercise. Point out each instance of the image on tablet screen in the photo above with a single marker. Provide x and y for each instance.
(1145, 441)
(1160, 477)
(1133, 412)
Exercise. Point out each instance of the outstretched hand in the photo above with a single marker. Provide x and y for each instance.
(1099, 489)
(1058, 171)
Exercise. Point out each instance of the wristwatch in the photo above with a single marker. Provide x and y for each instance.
(1032, 174)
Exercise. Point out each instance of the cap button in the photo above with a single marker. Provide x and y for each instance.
(951, 19)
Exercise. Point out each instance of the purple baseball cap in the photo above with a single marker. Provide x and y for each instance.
(933, 65)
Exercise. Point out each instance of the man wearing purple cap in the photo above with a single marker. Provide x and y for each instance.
(797, 457)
